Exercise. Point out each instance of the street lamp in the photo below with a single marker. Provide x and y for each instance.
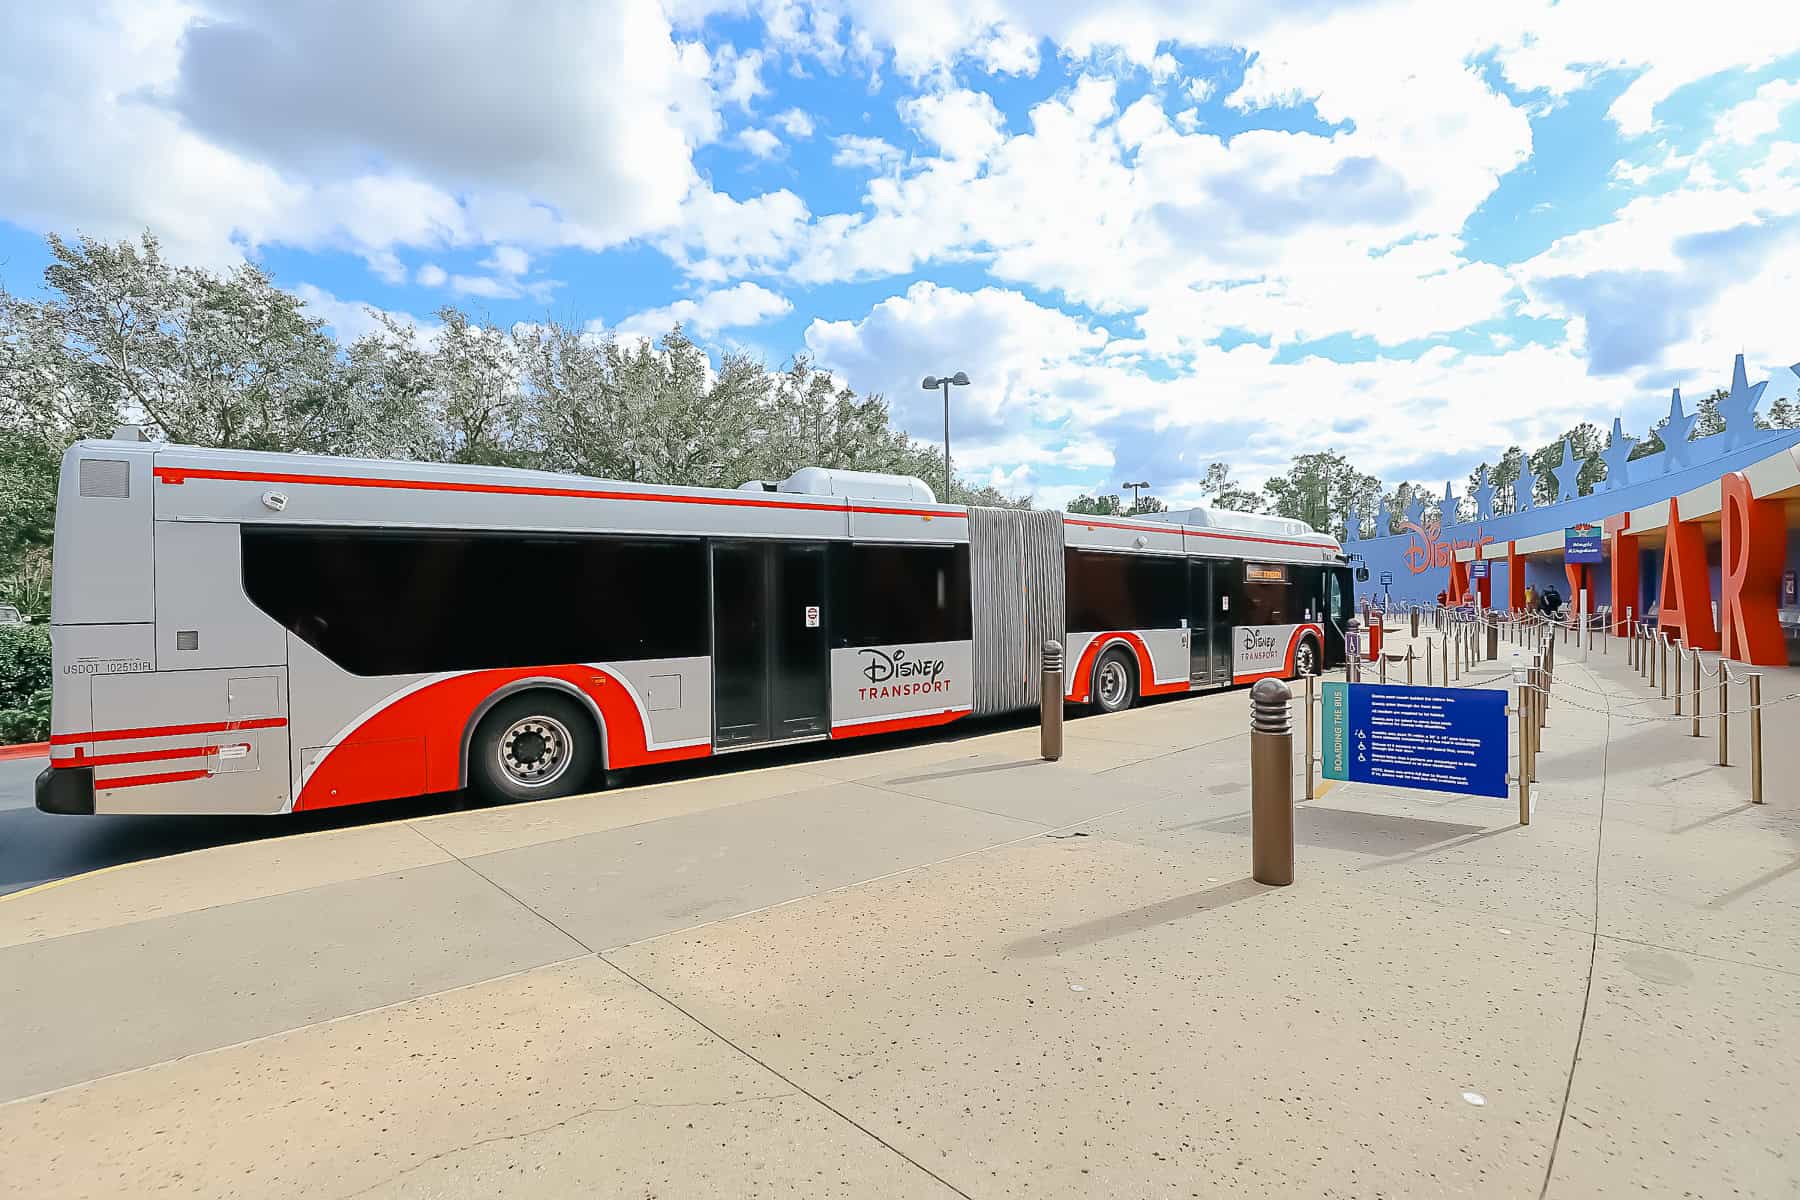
(1134, 491)
(931, 383)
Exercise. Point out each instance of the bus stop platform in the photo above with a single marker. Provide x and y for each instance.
(948, 969)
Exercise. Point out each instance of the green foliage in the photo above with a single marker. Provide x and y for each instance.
(1097, 506)
(1222, 491)
(1320, 488)
(24, 683)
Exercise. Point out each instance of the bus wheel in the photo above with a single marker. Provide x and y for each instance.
(1306, 658)
(1115, 682)
(533, 746)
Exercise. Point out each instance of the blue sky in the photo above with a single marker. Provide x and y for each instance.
(1156, 237)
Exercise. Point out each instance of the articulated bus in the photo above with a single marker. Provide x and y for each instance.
(241, 632)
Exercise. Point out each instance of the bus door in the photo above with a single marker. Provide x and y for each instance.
(1209, 628)
(770, 663)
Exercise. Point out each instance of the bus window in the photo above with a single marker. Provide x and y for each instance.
(1124, 591)
(381, 603)
(885, 595)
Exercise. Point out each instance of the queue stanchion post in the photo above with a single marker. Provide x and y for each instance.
(1695, 732)
(1724, 715)
(1680, 654)
(1307, 750)
(1756, 761)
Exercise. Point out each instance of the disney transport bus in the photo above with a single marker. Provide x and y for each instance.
(241, 632)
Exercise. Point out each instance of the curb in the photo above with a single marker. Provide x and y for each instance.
(25, 750)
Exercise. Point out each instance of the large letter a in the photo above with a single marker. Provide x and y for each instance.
(1685, 602)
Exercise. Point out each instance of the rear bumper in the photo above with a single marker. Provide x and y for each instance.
(66, 790)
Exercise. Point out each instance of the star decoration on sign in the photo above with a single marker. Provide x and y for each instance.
(1616, 455)
(1451, 512)
(1674, 433)
(1352, 525)
(1415, 509)
(1567, 474)
(1484, 497)
(1384, 520)
(1525, 490)
(1739, 407)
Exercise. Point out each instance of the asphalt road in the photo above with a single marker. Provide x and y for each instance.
(39, 847)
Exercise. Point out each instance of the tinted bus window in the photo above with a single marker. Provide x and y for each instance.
(381, 603)
(889, 595)
(1124, 591)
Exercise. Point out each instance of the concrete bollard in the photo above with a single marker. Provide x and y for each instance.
(1050, 703)
(1271, 784)
(1756, 792)
(1415, 622)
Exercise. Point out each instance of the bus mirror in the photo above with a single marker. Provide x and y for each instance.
(1362, 574)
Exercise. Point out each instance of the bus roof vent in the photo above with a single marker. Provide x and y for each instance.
(1230, 520)
(861, 485)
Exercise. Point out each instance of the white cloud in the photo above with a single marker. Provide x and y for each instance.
(960, 123)
(1201, 90)
(508, 260)
(1760, 115)
(348, 319)
(431, 275)
(760, 142)
(728, 308)
(863, 153)
(1051, 396)
(259, 124)
(795, 122)
(1563, 47)
(738, 76)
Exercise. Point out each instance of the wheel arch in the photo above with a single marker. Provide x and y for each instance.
(536, 683)
(1117, 647)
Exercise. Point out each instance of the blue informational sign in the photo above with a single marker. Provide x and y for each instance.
(1581, 544)
(1478, 569)
(1439, 739)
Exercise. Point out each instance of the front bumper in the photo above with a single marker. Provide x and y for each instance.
(66, 790)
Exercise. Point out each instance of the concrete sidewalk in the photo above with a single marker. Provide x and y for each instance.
(947, 969)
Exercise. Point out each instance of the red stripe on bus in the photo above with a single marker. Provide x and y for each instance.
(175, 475)
(1179, 529)
(922, 721)
(121, 735)
(1083, 677)
(125, 781)
(113, 760)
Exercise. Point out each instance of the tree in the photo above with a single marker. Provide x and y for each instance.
(1220, 490)
(1783, 414)
(1586, 442)
(1096, 506)
(1708, 418)
(1320, 488)
(1503, 478)
(1146, 504)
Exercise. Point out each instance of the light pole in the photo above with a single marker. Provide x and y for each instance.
(932, 383)
(1134, 491)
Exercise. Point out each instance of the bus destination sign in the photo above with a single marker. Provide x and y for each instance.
(1437, 739)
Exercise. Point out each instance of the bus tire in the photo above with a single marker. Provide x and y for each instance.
(533, 746)
(1115, 681)
(1306, 657)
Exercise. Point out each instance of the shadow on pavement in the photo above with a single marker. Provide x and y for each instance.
(38, 847)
